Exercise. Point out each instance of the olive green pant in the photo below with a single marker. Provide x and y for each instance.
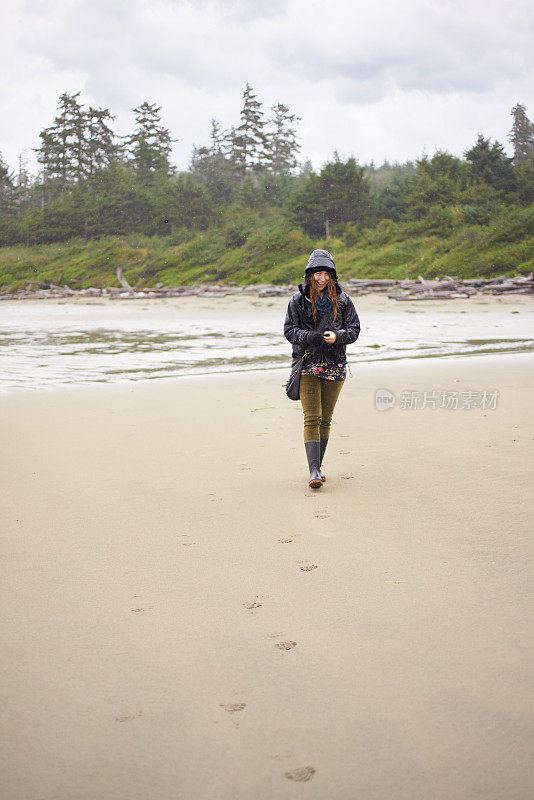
(318, 397)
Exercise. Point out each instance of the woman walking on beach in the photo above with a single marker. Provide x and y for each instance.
(320, 321)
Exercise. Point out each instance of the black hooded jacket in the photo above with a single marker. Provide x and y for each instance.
(299, 319)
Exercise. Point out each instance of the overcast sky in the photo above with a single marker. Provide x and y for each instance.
(377, 79)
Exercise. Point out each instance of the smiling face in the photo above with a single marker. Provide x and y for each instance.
(321, 279)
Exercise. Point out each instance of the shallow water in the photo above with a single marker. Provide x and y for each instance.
(47, 344)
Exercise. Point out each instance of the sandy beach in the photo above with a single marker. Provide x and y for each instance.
(183, 618)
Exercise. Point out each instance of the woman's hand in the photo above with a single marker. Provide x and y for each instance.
(314, 338)
(330, 337)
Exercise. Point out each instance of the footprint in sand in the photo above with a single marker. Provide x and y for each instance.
(252, 605)
(347, 477)
(283, 754)
(344, 452)
(285, 645)
(233, 707)
(139, 609)
(322, 515)
(301, 774)
(308, 567)
(128, 718)
(285, 541)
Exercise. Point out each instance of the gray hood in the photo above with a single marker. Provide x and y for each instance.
(320, 259)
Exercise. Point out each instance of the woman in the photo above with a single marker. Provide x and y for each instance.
(320, 321)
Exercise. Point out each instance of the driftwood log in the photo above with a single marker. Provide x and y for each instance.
(122, 280)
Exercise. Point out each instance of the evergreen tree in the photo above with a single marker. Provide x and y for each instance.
(23, 187)
(521, 135)
(281, 145)
(204, 157)
(345, 191)
(489, 164)
(525, 180)
(383, 176)
(6, 188)
(306, 168)
(200, 161)
(339, 194)
(216, 171)
(393, 197)
(437, 181)
(150, 145)
(248, 139)
(62, 152)
(44, 157)
(219, 138)
(100, 145)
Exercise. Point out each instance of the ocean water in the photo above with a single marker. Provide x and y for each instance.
(48, 344)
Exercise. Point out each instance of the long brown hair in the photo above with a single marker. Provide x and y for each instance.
(315, 293)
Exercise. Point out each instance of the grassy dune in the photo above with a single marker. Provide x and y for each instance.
(258, 248)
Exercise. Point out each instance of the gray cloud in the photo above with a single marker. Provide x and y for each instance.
(467, 47)
(379, 80)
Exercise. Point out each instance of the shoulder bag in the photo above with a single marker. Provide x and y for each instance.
(292, 387)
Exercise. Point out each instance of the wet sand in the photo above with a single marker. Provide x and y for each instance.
(183, 618)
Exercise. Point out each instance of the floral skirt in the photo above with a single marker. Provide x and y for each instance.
(329, 372)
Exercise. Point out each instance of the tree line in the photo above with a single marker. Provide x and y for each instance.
(92, 182)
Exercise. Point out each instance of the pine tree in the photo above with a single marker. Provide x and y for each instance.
(436, 181)
(248, 139)
(345, 192)
(200, 161)
(100, 146)
(62, 152)
(489, 164)
(339, 194)
(281, 145)
(210, 167)
(521, 135)
(150, 145)
(6, 188)
(219, 138)
(23, 186)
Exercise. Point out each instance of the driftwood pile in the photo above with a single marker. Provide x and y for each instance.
(35, 290)
(447, 288)
(450, 288)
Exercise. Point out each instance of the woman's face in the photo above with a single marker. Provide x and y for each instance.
(321, 278)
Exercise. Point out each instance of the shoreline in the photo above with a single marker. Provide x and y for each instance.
(225, 375)
(93, 339)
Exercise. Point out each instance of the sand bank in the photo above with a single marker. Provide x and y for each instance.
(183, 618)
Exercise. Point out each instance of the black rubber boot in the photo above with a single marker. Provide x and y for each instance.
(324, 442)
(313, 452)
